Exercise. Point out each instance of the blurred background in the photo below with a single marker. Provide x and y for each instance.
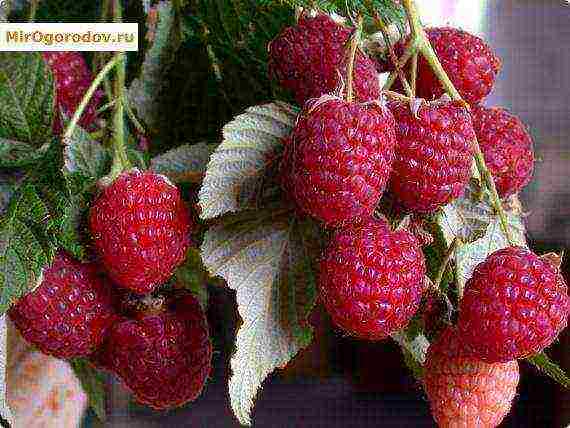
(340, 382)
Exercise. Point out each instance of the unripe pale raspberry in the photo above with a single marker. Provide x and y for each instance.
(469, 62)
(371, 279)
(141, 230)
(67, 314)
(339, 158)
(514, 306)
(434, 154)
(463, 391)
(164, 358)
(308, 57)
(72, 79)
(507, 147)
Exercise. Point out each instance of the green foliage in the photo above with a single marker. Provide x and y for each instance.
(183, 164)
(192, 276)
(390, 11)
(237, 174)
(266, 257)
(146, 91)
(93, 383)
(26, 106)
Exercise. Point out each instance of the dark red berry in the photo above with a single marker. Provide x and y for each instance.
(164, 358)
(371, 279)
(507, 147)
(72, 79)
(339, 159)
(433, 156)
(463, 391)
(141, 230)
(67, 314)
(309, 58)
(514, 306)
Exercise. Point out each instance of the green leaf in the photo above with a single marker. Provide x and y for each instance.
(473, 219)
(93, 383)
(192, 275)
(237, 169)
(266, 257)
(467, 217)
(550, 368)
(84, 157)
(183, 164)
(144, 92)
(17, 154)
(25, 248)
(26, 98)
(8, 184)
(391, 12)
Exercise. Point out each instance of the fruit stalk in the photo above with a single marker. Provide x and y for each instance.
(88, 95)
(354, 41)
(425, 48)
(120, 159)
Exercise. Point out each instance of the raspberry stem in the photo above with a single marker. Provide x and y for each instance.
(411, 50)
(120, 159)
(425, 48)
(87, 97)
(354, 41)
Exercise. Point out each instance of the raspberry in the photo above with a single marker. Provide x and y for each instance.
(468, 61)
(67, 314)
(339, 159)
(371, 279)
(72, 79)
(433, 156)
(141, 230)
(164, 358)
(307, 58)
(466, 392)
(507, 147)
(514, 306)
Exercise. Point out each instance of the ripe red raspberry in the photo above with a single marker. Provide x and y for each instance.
(67, 314)
(469, 62)
(307, 58)
(141, 230)
(466, 392)
(339, 158)
(72, 79)
(514, 306)
(371, 279)
(164, 358)
(433, 155)
(507, 147)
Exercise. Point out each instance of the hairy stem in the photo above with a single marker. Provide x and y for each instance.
(411, 49)
(354, 41)
(428, 53)
(414, 73)
(87, 97)
(120, 159)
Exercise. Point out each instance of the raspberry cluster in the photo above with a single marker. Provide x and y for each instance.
(344, 155)
(159, 345)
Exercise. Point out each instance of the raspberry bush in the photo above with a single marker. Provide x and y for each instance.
(395, 207)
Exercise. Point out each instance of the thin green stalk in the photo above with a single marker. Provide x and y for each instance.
(428, 53)
(410, 50)
(133, 117)
(414, 74)
(120, 158)
(354, 41)
(398, 68)
(87, 97)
